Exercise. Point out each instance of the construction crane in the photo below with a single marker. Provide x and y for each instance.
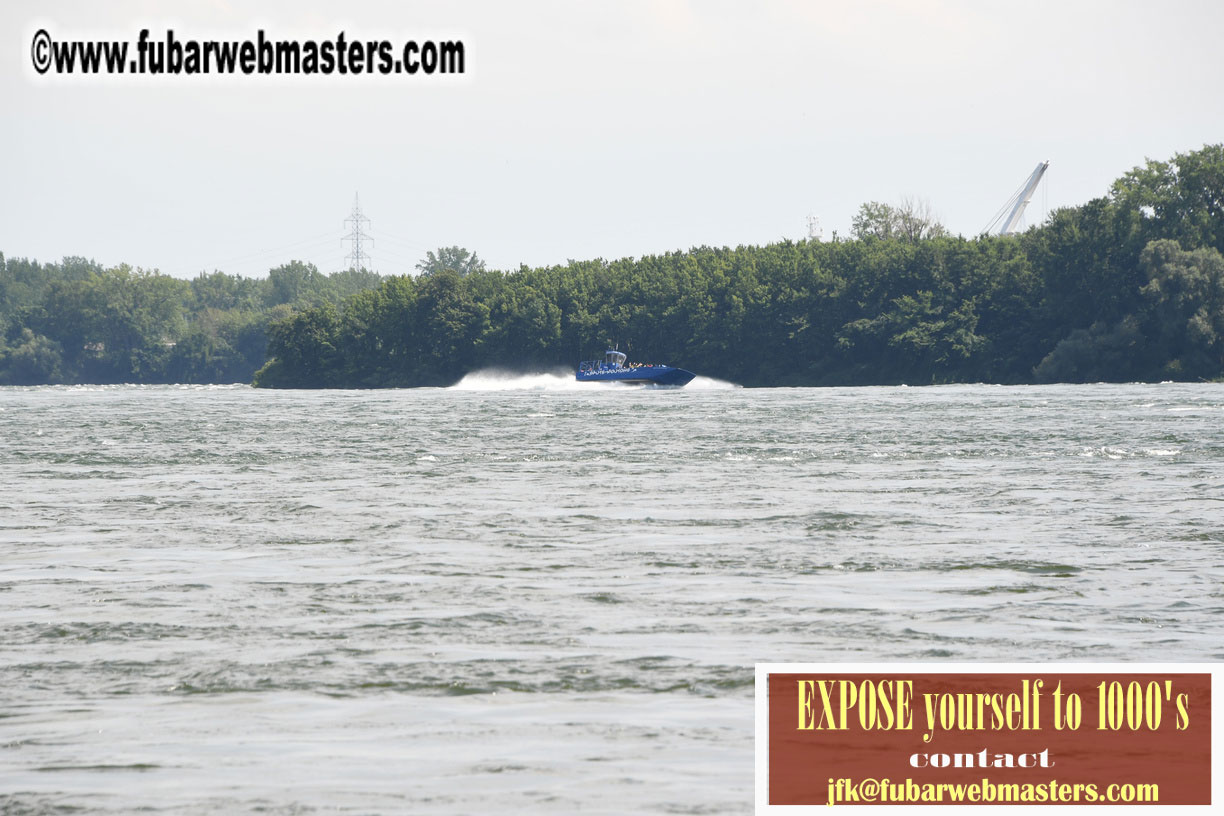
(1016, 204)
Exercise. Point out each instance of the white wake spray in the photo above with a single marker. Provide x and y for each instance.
(490, 379)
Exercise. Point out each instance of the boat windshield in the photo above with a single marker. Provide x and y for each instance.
(614, 358)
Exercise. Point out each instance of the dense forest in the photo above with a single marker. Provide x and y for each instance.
(1126, 287)
(75, 322)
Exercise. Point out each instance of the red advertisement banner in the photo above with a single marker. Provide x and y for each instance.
(1041, 737)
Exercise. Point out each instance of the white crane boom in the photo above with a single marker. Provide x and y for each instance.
(1023, 198)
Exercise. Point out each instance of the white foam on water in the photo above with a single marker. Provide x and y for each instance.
(490, 379)
(500, 380)
(710, 384)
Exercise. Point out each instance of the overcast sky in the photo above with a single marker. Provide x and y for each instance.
(586, 130)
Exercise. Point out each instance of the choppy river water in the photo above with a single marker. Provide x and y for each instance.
(521, 595)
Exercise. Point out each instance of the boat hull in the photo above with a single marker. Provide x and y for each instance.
(640, 375)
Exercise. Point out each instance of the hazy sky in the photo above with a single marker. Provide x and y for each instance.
(586, 129)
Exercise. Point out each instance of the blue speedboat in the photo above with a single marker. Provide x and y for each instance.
(612, 368)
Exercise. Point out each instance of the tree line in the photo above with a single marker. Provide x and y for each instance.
(1129, 286)
(76, 322)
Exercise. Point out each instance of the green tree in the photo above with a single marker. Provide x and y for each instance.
(117, 325)
(914, 220)
(348, 282)
(303, 350)
(295, 283)
(218, 290)
(36, 360)
(1181, 199)
(874, 219)
(1101, 353)
(454, 258)
(1186, 290)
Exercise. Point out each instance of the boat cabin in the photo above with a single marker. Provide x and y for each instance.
(613, 361)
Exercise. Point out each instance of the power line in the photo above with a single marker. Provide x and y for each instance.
(358, 259)
(310, 244)
(305, 242)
